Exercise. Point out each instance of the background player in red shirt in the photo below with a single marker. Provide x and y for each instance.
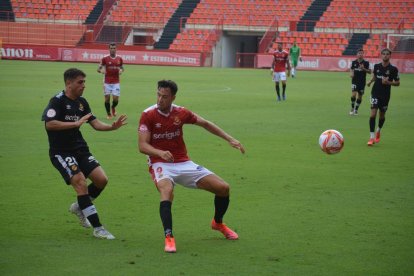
(160, 136)
(279, 65)
(112, 67)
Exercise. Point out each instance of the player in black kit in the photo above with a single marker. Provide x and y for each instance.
(385, 75)
(359, 70)
(69, 152)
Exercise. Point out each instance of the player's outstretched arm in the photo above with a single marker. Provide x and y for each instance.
(101, 126)
(59, 125)
(213, 128)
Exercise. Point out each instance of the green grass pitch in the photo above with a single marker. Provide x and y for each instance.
(297, 210)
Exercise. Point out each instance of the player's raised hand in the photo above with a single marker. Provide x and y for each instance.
(121, 121)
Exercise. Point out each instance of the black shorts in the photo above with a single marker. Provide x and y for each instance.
(71, 163)
(358, 87)
(379, 103)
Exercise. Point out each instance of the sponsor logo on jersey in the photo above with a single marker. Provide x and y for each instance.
(166, 135)
(51, 113)
(73, 118)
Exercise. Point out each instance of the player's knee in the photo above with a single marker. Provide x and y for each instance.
(223, 189)
(79, 184)
(101, 181)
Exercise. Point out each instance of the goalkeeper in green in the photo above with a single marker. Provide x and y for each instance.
(294, 52)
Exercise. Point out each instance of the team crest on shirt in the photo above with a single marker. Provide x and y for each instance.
(74, 167)
(387, 72)
(177, 121)
(51, 113)
(81, 107)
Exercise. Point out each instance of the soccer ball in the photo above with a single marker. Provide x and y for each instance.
(331, 141)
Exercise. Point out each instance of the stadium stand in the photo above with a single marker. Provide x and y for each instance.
(150, 13)
(52, 10)
(368, 15)
(195, 40)
(338, 27)
(33, 33)
(248, 13)
(326, 44)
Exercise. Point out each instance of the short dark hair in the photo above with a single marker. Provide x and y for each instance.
(72, 73)
(360, 50)
(112, 44)
(386, 49)
(168, 84)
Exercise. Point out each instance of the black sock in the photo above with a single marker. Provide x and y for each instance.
(166, 217)
(353, 102)
(107, 106)
(372, 124)
(221, 204)
(94, 191)
(284, 89)
(358, 103)
(381, 122)
(278, 90)
(114, 104)
(89, 210)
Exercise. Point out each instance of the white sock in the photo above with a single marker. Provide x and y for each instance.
(372, 135)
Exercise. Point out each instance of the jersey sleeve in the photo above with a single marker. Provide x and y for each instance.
(190, 117)
(52, 110)
(144, 123)
(395, 75)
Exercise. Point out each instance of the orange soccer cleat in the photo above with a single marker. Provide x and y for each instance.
(377, 137)
(371, 142)
(169, 244)
(227, 232)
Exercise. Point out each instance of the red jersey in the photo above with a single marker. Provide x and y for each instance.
(280, 59)
(167, 131)
(112, 66)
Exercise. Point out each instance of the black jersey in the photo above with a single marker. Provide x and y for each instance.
(389, 72)
(359, 74)
(63, 109)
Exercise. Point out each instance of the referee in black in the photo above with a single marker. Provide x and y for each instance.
(384, 76)
(69, 153)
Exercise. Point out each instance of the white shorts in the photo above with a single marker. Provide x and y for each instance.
(112, 89)
(279, 76)
(185, 173)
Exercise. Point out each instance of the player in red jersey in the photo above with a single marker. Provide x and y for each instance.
(278, 70)
(112, 67)
(160, 136)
